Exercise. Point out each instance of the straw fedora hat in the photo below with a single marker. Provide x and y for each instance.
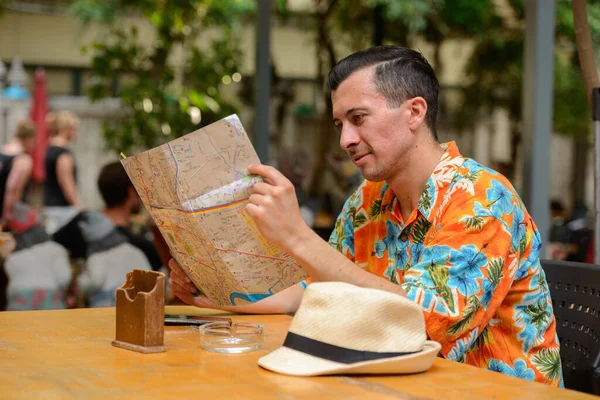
(344, 329)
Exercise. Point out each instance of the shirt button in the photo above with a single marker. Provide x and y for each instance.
(404, 237)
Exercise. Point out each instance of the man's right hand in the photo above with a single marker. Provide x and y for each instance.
(182, 287)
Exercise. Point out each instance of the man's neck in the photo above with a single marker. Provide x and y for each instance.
(420, 162)
(120, 216)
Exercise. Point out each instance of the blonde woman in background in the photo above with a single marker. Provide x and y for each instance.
(61, 201)
(15, 167)
(37, 269)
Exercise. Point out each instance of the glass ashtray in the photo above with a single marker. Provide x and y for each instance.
(222, 337)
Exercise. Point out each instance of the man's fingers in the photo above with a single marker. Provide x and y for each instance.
(261, 188)
(270, 173)
(182, 287)
(202, 301)
(257, 200)
(178, 271)
(174, 265)
(253, 210)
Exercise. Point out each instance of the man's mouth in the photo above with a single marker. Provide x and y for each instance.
(358, 157)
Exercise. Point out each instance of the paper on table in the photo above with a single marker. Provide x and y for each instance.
(196, 188)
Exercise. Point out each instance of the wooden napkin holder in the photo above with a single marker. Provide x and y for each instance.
(141, 312)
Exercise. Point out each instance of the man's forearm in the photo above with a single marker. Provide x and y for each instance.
(283, 302)
(323, 263)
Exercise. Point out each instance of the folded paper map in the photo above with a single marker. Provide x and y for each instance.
(196, 188)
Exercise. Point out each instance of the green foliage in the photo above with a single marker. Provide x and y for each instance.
(425, 200)
(540, 314)
(375, 210)
(435, 20)
(472, 222)
(167, 81)
(495, 270)
(420, 230)
(495, 69)
(547, 361)
(485, 339)
(360, 219)
(467, 316)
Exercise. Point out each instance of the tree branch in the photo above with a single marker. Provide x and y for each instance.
(585, 48)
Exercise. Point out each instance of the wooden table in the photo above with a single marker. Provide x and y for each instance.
(65, 354)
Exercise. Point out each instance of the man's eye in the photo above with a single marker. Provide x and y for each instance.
(358, 118)
(338, 127)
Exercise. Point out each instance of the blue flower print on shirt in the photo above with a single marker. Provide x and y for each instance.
(465, 285)
(536, 247)
(518, 227)
(348, 240)
(523, 270)
(501, 199)
(488, 292)
(463, 345)
(481, 211)
(415, 250)
(436, 255)
(520, 369)
(389, 242)
(528, 335)
(468, 262)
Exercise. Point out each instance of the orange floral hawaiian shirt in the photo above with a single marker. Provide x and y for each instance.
(469, 255)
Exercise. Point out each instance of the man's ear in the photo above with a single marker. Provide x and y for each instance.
(131, 192)
(418, 112)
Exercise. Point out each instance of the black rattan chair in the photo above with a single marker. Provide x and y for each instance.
(575, 291)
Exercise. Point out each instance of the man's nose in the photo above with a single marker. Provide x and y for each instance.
(349, 137)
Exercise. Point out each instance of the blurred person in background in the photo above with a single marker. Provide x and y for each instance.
(104, 239)
(61, 201)
(15, 167)
(296, 165)
(580, 233)
(15, 170)
(121, 201)
(38, 269)
(110, 257)
(559, 231)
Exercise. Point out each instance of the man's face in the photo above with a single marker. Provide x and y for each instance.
(135, 203)
(374, 135)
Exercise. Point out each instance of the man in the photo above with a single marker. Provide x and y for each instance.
(427, 223)
(121, 202)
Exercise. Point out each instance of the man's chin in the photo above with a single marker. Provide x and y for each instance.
(373, 176)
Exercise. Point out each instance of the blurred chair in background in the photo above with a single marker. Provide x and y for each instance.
(575, 291)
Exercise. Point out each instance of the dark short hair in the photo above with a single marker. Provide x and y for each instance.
(400, 74)
(113, 183)
(556, 205)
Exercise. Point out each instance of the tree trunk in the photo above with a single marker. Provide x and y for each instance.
(585, 48)
(378, 25)
(327, 59)
(579, 169)
(437, 58)
(515, 142)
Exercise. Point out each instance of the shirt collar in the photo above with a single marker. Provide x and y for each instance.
(449, 163)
